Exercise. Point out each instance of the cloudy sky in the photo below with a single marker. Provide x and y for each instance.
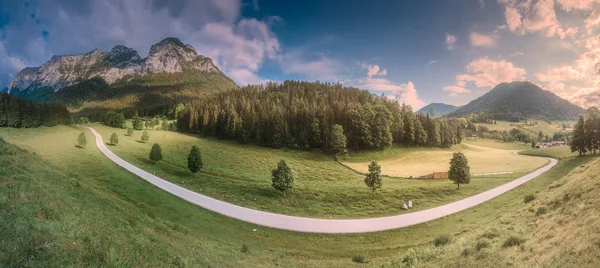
(414, 51)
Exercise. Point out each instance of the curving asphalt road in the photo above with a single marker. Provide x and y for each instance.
(311, 225)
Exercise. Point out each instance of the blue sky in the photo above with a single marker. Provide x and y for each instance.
(416, 52)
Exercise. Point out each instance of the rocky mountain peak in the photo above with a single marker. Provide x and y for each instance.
(122, 54)
(169, 55)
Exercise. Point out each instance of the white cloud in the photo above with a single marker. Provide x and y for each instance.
(579, 81)
(481, 40)
(374, 70)
(481, 3)
(485, 73)
(432, 62)
(450, 41)
(518, 53)
(320, 67)
(535, 16)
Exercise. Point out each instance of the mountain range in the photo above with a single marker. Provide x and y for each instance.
(520, 101)
(438, 109)
(172, 72)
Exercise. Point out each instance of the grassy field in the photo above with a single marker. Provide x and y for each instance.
(556, 227)
(240, 174)
(554, 152)
(498, 157)
(64, 206)
(533, 130)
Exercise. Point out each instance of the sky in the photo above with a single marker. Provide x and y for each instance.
(413, 51)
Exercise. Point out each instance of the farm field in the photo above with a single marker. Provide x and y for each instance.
(93, 212)
(545, 127)
(554, 152)
(482, 159)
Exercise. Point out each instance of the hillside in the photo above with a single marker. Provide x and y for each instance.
(120, 79)
(519, 101)
(439, 109)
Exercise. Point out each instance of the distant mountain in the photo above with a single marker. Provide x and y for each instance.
(4, 90)
(172, 72)
(439, 109)
(519, 101)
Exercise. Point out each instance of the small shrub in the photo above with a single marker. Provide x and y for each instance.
(359, 259)
(541, 211)
(529, 198)
(513, 241)
(490, 234)
(245, 249)
(442, 240)
(467, 252)
(481, 244)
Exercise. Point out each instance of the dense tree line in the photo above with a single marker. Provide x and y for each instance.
(586, 133)
(301, 115)
(17, 112)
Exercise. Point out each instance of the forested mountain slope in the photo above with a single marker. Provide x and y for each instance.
(519, 101)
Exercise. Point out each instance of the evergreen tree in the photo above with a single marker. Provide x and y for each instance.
(420, 134)
(82, 140)
(114, 139)
(137, 121)
(373, 178)
(460, 172)
(578, 141)
(145, 136)
(282, 177)
(533, 143)
(194, 160)
(156, 153)
(129, 131)
(592, 130)
(338, 140)
(316, 141)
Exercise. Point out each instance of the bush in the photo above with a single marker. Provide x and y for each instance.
(245, 249)
(513, 241)
(113, 119)
(541, 211)
(467, 252)
(442, 240)
(129, 131)
(481, 244)
(490, 234)
(114, 139)
(84, 120)
(528, 198)
(359, 259)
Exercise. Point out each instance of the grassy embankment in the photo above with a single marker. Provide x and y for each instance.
(64, 206)
(241, 174)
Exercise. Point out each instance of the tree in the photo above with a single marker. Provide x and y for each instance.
(114, 139)
(82, 140)
(533, 143)
(156, 153)
(84, 120)
(420, 134)
(165, 125)
(315, 139)
(460, 172)
(178, 109)
(137, 121)
(113, 119)
(578, 141)
(146, 124)
(282, 177)
(195, 160)
(338, 140)
(129, 131)
(373, 178)
(145, 136)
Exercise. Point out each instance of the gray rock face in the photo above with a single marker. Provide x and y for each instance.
(170, 56)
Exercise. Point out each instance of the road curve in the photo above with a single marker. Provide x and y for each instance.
(312, 225)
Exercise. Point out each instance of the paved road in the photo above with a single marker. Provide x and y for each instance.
(311, 225)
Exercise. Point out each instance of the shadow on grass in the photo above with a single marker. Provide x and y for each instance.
(138, 141)
(77, 146)
(110, 144)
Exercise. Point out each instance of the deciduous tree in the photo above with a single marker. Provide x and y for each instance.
(282, 177)
(156, 153)
(460, 172)
(373, 178)
(82, 140)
